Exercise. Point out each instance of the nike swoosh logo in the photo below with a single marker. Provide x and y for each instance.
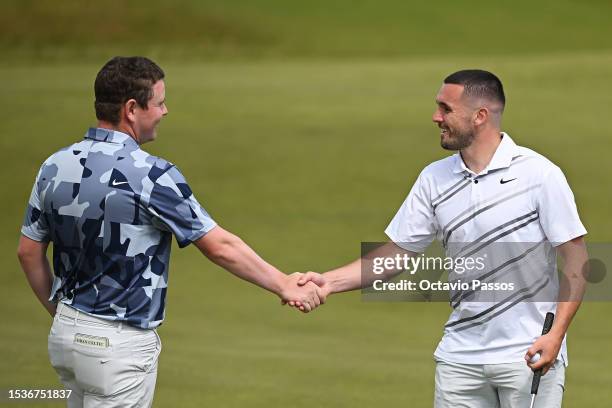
(116, 183)
(502, 181)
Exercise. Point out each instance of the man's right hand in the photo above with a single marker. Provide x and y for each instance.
(316, 278)
(306, 296)
(323, 288)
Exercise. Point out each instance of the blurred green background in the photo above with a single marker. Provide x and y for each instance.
(301, 127)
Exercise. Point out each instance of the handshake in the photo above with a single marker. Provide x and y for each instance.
(305, 291)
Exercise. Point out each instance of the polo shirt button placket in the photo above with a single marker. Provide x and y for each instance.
(474, 194)
(477, 196)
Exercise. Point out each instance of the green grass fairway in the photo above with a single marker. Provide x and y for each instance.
(305, 159)
(73, 30)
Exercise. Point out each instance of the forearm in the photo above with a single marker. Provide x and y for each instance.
(235, 256)
(345, 278)
(359, 273)
(572, 285)
(39, 276)
(563, 317)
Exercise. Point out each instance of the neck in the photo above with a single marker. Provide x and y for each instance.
(120, 127)
(478, 155)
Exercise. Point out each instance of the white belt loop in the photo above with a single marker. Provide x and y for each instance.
(119, 327)
(76, 316)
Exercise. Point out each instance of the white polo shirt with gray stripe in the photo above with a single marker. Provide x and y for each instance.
(520, 197)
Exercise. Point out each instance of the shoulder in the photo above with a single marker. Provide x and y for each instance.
(438, 172)
(153, 166)
(533, 162)
(65, 153)
(66, 157)
(161, 163)
(440, 167)
(166, 175)
(142, 159)
(159, 166)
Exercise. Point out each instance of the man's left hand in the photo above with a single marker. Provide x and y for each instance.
(548, 346)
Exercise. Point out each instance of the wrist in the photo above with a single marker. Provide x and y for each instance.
(331, 283)
(557, 333)
(279, 285)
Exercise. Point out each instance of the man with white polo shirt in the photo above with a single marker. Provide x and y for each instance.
(507, 201)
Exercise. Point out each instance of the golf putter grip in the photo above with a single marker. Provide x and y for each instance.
(548, 322)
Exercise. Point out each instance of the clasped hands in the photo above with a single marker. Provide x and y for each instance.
(305, 291)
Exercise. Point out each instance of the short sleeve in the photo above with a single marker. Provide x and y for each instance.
(557, 209)
(414, 227)
(35, 225)
(173, 204)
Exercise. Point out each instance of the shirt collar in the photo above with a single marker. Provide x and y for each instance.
(501, 158)
(110, 136)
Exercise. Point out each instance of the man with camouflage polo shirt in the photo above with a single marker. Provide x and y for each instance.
(110, 210)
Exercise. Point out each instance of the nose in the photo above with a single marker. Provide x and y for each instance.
(165, 111)
(437, 116)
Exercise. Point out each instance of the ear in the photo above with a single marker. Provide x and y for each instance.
(129, 107)
(481, 116)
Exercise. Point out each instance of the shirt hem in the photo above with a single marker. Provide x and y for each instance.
(34, 237)
(406, 245)
(194, 237)
(448, 358)
(568, 237)
(107, 317)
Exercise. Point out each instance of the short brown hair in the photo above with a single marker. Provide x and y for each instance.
(479, 83)
(122, 79)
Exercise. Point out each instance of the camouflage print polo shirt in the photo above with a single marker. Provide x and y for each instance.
(110, 210)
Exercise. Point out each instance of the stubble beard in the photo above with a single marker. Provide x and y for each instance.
(457, 140)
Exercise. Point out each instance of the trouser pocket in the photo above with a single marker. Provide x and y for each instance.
(144, 349)
(93, 363)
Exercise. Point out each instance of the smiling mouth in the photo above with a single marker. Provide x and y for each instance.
(444, 131)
